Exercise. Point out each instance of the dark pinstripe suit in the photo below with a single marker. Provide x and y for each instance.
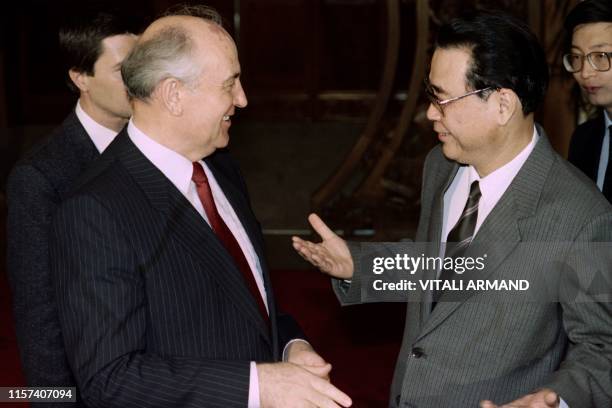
(154, 310)
(483, 346)
(36, 186)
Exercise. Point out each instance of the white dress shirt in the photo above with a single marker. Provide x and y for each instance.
(100, 136)
(492, 187)
(178, 169)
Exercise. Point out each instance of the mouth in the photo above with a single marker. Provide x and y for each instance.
(442, 135)
(591, 89)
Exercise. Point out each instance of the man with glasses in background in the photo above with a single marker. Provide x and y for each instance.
(589, 31)
(494, 187)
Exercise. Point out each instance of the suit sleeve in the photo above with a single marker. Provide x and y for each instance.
(351, 293)
(103, 313)
(31, 202)
(288, 329)
(584, 378)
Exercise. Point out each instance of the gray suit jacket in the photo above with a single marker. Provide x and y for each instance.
(473, 347)
(36, 186)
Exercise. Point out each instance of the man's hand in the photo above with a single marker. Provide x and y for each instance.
(288, 385)
(331, 256)
(544, 398)
(301, 353)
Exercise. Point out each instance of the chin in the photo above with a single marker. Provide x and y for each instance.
(607, 105)
(223, 142)
(449, 150)
(600, 101)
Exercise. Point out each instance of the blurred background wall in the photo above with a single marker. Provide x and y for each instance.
(322, 76)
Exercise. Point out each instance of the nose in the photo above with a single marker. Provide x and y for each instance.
(433, 114)
(587, 70)
(240, 99)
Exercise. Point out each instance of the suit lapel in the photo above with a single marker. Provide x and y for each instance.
(77, 154)
(186, 225)
(593, 141)
(487, 241)
(83, 146)
(241, 206)
(501, 231)
(435, 230)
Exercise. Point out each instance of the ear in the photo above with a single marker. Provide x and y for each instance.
(509, 104)
(170, 92)
(79, 79)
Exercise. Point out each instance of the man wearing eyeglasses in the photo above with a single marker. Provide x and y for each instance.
(493, 187)
(589, 29)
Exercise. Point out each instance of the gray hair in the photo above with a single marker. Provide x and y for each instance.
(168, 54)
(194, 10)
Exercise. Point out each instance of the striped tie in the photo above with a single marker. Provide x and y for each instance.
(460, 237)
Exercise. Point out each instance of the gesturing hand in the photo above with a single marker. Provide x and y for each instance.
(331, 256)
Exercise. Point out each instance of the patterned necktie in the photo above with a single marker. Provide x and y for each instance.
(225, 235)
(607, 183)
(460, 237)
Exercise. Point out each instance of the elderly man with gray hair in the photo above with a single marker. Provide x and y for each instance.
(164, 295)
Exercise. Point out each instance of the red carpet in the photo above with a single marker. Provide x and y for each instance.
(361, 342)
(10, 370)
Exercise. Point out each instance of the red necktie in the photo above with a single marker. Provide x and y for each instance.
(225, 235)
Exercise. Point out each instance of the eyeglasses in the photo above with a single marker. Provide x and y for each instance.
(600, 61)
(440, 104)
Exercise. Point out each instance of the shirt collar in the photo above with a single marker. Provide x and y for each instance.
(100, 136)
(493, 186)
(177, 168)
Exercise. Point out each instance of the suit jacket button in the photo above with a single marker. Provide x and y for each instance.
(417, 352)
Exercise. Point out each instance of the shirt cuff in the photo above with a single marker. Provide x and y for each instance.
(285, 356)
(253, 387)
(562, 404)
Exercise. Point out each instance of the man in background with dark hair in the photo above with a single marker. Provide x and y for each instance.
(94, 46)
(589, 30)
(495, 188)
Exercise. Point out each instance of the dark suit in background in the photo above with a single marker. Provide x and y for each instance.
(35, 188)
(153, 307)
(585, 150)
(88, 37)
(586, 27)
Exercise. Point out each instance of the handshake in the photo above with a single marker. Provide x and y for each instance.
(302, 381)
